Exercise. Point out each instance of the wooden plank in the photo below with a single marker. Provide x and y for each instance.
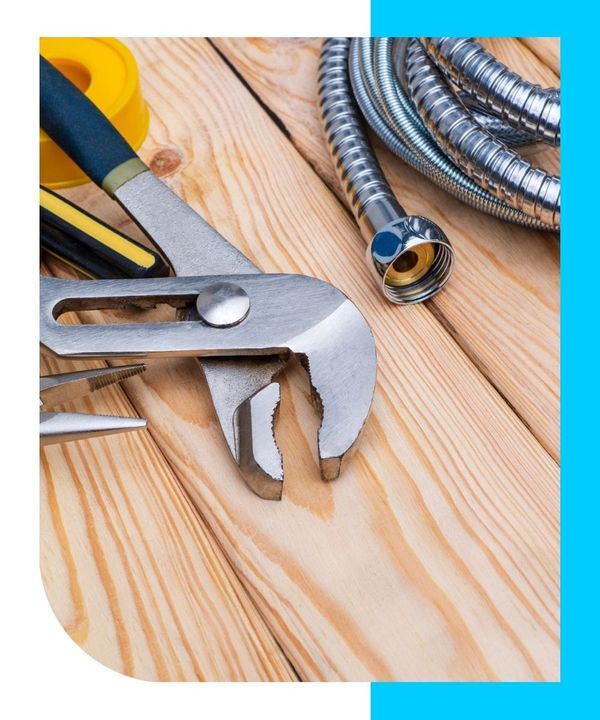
(547, 49)
(130, 568)
(533, 58)
(435, 556)
(502, 303)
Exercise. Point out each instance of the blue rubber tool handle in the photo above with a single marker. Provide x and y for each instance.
(78, 127)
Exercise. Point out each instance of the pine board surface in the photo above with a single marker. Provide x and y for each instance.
(435, 556)
(513, 341)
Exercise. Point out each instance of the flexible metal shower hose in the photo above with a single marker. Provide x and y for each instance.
(491, 84)
(460, 136)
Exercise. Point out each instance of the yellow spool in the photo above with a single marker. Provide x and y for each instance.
(105, 69)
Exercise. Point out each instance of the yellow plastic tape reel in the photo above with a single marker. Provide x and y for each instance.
(105, 69)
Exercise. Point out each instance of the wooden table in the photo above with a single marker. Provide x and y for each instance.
(436, 555)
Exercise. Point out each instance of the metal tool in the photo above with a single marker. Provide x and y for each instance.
(57, 427)
(243, 325)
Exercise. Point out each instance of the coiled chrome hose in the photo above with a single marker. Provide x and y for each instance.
(462, 139)
(490, 162)
(496, 88)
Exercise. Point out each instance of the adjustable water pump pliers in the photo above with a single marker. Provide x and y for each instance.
(242, 325)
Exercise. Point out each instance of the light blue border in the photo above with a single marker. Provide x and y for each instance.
(572, 697)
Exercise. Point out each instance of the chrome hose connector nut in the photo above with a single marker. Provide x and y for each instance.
(411, 259)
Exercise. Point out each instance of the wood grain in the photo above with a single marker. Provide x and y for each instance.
(131, 570)
(547, 49)
(502, 303)
(435, 556)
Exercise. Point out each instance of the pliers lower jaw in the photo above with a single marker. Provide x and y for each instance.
(58, 427)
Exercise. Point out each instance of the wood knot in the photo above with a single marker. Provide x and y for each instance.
(165, 161)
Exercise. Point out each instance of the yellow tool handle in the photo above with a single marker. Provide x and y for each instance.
(90, 245)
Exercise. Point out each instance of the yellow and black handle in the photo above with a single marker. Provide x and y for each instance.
(90, 245)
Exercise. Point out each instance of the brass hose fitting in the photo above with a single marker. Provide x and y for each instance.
(410, 256)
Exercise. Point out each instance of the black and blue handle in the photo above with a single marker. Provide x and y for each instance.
(83, 132)
(92, 142)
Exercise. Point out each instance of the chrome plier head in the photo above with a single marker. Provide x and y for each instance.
(316, 323)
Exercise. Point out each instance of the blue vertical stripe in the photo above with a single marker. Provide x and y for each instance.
(574, 695)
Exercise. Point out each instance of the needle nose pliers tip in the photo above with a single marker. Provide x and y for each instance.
(58, 427)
